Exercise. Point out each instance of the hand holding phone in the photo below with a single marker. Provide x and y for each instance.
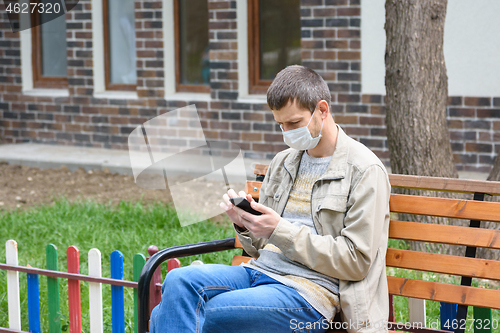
(244, 204)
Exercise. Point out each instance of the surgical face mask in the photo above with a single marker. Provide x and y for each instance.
(300, 138)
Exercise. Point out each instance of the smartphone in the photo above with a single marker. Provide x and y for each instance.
(244, 204)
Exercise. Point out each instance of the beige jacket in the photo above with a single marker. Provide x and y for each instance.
(350, 208)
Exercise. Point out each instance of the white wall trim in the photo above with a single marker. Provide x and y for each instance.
(242, 40)
(26, 64)
(117, 94)
(46, 92)
(169, 47)
(98, 47)
(471, 47)
(26, 52)
(372, 47)
(189, 96)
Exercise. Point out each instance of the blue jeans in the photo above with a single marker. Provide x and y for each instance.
(220, 298)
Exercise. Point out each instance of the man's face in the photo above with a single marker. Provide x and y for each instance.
(292, 116)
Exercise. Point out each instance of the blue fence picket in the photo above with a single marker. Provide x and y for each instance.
(117, 296)
(448, 315)
(33, 303)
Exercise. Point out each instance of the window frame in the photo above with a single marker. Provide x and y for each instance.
(255, 84)
(107, 75)
(180, 87)
(40, 81)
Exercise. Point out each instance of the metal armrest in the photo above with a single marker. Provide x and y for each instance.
(163, 255)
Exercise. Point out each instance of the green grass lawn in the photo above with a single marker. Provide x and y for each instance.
(130, 228)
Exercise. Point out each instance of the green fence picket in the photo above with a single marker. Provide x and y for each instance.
(139, 261)
(53, 291)
(482, 320)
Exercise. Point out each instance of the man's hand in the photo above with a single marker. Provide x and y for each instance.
(230, 208)
(262, 226)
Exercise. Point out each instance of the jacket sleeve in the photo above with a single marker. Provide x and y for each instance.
(250, 243)
(349, 255)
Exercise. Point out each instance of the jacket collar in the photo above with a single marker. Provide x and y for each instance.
(337, 168)
(292, 162)
(338, 165)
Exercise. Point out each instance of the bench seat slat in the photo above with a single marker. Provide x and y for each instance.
(443, 292)
(445, 184)
(431, 262)
(444, 234)
(453, 208)
(444, 264)
(237, 260)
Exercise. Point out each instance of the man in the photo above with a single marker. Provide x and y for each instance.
(318, 247)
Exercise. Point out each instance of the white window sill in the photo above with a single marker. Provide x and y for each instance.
(117, 95)
(47, 92)
(201, 97)
(253, 99)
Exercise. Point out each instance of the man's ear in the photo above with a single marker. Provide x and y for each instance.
(324, 108)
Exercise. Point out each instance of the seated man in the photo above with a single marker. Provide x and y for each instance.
(318, 247)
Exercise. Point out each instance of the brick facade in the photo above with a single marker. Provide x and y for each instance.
(331, 44)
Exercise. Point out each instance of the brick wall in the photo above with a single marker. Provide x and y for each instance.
(331, 31)
(331, 45)
(474, 125)
(10, 80)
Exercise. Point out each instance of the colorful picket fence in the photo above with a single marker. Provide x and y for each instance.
(95, 280)
(416, 307)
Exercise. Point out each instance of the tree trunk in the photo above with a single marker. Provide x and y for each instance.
(417, 93)
(494, 176)
(417, 89)
(495, 172)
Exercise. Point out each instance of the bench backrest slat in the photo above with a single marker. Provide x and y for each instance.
(444, 292)
(444, 264)
(429, 183)
(260, 169)
(453, 208)
(444, 234)
(445, 184)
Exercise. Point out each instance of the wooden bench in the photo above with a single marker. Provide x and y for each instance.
(417, 291)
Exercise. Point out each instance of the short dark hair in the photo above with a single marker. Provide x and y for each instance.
(300, 84)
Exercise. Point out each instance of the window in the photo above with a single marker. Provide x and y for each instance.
(192, 69)
(119, 45)
(49, 60)
(273, 40)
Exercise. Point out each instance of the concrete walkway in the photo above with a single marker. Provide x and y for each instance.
(53, 156)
